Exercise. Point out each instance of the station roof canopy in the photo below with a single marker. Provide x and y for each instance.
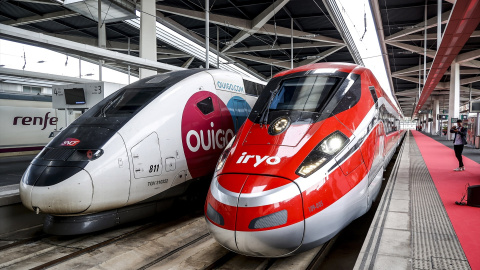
(404, 30)
(252, 33)
(256, 35)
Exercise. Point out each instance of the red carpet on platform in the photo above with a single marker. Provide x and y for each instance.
(440, 162)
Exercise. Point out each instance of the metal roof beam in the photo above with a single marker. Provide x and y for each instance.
(412, 48)
(55, 79)
(407, 78)
(443, 85)
(269, 61)
(464, 19)
(256, 23)
(57, 44)
(432, 22)
(246, 25)
(279, 47)
(411, 69)
(470, 80)
(43, 2)
(170, 23)
(42, 18)
(285, 64)
(112, 45)
(321, 56)
(188, 62)
(468, 56)
(172, 56)
(429, 37)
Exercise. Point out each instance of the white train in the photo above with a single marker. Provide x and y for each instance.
(27, 122)
(149, 141)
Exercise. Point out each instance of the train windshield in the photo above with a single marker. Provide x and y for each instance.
(129, 101)
(303, 93)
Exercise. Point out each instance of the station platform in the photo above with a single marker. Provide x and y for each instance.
(417, 224)
(12, 169)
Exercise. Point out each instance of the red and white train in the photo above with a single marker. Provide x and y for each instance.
(308, 161)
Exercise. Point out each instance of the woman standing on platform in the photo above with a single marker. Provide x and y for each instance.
(459, 140)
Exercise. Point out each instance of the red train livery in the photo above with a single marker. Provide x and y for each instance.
(308, 161)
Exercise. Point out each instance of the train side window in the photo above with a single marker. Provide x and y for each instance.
(250, 88)
(206, 106)
(374, 94)
(259, 88)
(350, 98)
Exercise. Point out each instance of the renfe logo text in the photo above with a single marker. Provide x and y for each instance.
(27, 120)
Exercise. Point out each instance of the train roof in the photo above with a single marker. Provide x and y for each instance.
(27, 97)
(343, 67)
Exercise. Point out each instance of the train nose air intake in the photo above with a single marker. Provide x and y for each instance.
(270, 220)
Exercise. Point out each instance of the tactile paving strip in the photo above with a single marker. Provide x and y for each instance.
(434, 242)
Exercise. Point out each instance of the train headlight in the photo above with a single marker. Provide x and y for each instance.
(279, 125)
(223, 157)
(322, 153)
(333, 143)
(86, 155)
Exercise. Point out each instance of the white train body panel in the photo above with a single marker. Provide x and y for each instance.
(133, 159)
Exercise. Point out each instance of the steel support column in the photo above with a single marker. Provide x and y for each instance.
(207, 33)
(102, 38)
(435, 111)
(429, 124)
(439, 23)
(454, 97)
(148, 37)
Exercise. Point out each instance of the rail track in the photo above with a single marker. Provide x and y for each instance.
(182, 243)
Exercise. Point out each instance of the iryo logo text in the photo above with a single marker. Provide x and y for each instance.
(258, 159)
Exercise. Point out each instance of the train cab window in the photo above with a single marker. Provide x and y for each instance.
(206, 106)
(259, 88)
(350, 98)
(303, 93)
(128, 101)
(250, 88)
(374, 94)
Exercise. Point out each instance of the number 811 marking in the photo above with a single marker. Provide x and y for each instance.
(154, 168)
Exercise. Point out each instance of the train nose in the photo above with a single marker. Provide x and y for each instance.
(56, 190)
(264, 214)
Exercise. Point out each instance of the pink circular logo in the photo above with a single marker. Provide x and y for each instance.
(207, 127)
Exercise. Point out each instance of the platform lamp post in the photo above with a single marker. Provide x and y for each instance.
(102, 38)
(207, 32)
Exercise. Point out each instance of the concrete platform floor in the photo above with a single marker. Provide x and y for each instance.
(411, 229)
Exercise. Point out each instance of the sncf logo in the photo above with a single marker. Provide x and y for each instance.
(258, 159)
(208, 139)
(70, 142)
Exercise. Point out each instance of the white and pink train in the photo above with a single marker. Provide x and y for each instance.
(122, 158)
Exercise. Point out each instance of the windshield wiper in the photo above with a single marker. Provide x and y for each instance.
(266, 111)
(104, 109)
